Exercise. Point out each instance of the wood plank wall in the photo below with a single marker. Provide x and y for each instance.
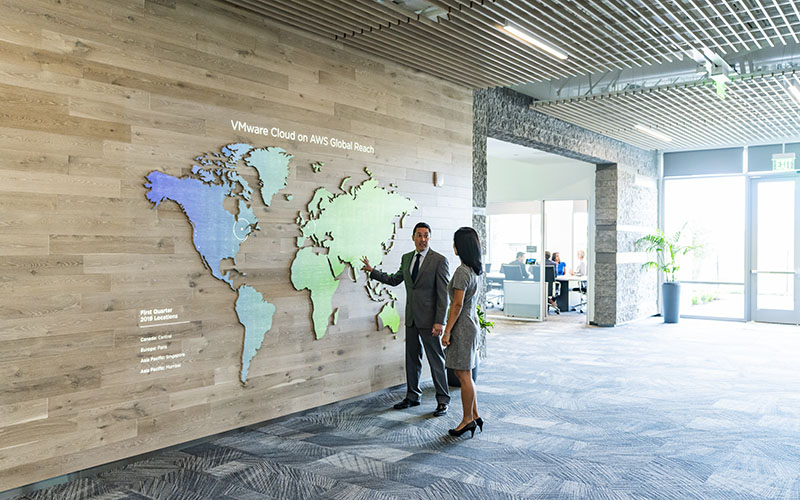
(95, 94)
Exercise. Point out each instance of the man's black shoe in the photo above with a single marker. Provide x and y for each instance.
(441, 410)
(406, 403)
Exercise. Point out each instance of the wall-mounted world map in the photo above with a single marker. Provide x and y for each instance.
(336, 231)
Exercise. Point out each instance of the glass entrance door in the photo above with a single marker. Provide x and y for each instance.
(775, 252)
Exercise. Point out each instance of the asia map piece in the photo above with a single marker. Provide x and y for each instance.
(218, 233)
(337, 231)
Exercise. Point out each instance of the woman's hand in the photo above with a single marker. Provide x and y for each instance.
(446, 339)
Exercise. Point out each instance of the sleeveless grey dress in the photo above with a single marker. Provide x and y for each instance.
(462, 353)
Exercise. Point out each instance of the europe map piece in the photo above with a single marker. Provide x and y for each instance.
(218, 233)
(343, 228)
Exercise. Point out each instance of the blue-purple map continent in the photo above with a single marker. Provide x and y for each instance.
(217, 233)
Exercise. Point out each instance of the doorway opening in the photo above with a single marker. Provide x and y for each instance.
(538, 202)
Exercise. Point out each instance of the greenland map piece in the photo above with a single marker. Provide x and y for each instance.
(218, 233)
(343, 227)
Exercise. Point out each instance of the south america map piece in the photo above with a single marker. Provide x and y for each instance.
(217, 233)
(343, 228)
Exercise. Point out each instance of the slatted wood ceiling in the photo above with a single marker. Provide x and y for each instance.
(467, 46)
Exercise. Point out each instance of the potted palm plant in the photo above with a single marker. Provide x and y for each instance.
(486, 327)
(667, 250)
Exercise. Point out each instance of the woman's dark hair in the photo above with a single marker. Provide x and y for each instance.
(468, 246)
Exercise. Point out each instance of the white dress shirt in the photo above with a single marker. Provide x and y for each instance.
(421, 258)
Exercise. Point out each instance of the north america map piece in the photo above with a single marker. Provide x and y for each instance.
(218, 233)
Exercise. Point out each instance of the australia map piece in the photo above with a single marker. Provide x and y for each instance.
(218, 233)
(337, 231)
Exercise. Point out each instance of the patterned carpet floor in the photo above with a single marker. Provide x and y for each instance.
(698, 410)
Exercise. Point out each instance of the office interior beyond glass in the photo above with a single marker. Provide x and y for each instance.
(563, 229)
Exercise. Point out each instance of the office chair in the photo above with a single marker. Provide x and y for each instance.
(553, 287)
(581, 289)
(512, 272)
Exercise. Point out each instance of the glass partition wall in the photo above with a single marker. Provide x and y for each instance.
(523, 229)
(709, 211)
(508, 235)
(741, 205)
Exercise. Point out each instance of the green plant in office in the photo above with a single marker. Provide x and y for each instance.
(704, 299)
(485, 325)
(667, 250)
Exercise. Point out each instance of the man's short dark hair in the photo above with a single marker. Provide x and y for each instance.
(422, 224)
(547, 255)
(520, 254)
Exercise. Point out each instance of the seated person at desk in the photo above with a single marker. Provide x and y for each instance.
(561, 267)
(581, 269)
(520, 261)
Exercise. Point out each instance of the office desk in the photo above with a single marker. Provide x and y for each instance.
(567, 284)
(522, 298)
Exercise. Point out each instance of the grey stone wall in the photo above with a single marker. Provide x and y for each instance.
(479, 190)
(637, 214)
(626, 197)
(605, 245)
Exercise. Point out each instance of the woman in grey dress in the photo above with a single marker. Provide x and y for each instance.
(461, 333)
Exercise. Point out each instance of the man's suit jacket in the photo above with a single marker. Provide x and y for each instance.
(426, 299)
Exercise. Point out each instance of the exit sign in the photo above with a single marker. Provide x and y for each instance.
(783, 161)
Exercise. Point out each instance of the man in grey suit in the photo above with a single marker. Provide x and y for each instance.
(425, 274)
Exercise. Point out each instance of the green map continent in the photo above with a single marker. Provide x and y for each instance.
(390, 317)
(311, 271)
(349, 225)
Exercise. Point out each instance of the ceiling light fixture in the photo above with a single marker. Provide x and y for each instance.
(526, 37)
(654, 133)
(794, 91)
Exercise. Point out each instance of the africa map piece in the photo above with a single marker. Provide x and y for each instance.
(312, 271)
(343, 227)
(217, 233)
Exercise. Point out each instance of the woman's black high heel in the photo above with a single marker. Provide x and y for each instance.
(469, 427)
(479, 422)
